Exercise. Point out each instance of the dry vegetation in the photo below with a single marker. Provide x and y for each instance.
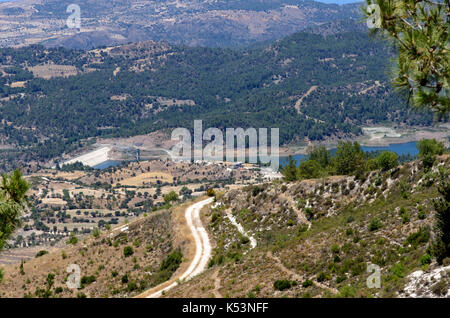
(102, 261)
(386, 219)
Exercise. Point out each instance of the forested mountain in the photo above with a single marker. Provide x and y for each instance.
(213, 23)
(309, 85)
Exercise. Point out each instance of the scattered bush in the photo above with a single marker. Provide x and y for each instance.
(282, 284)
(425, 259)
(398, 270)
(307, 283)
(87, 280)
(128, 251)
(41, 253)
(172, 262)
(335, 249)
(347, 292)
(375, 224)
(422, 236)
(72, 239)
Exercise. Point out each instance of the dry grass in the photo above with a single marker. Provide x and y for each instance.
(146, 178)
(53, 201)
(100, 257)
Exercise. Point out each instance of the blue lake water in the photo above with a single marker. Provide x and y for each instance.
(400, 149)
(407, 148)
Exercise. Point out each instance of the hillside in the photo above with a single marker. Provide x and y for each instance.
(218, 23)
(309, 238)
(326, 86)
(106, 269)
(385, 219)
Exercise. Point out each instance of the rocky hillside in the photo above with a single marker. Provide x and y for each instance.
(192, 22)
(317, 238)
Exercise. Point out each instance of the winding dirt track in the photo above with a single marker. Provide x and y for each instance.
(202, 246)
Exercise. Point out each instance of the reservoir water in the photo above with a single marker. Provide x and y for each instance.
(407, 148)
(400, 149)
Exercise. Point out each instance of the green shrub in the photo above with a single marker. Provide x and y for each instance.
(282, 284)
(96, 233)
(72, 239)
(323, 277)
(41, 253)
(375, 224)
(132, 286)
(422, 215)
(340, 279)
(335, 248)
(307, 283)
(2, 274)
(172, 262)
(86, 280)
(398, 270)
(309, 213)
(171, 196)
(422, 236)
(425, 259)
(128, 251)
(347, 292)
(405, 218)
(440, 288)
(244, 239)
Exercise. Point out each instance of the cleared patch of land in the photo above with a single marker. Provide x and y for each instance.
(146, 178)
(53, 70)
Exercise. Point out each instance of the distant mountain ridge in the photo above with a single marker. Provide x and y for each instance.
(218, 23)
(312, 86)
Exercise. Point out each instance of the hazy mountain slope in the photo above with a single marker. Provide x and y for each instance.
(325, 87)
(192, 22)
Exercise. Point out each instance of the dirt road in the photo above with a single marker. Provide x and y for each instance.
(202, 247)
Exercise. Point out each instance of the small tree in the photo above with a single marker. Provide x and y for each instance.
(428, 149)
(319, 154)
(290, 170)
(309, 169)
(349, 158)
(170, 197)
(387, 160)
